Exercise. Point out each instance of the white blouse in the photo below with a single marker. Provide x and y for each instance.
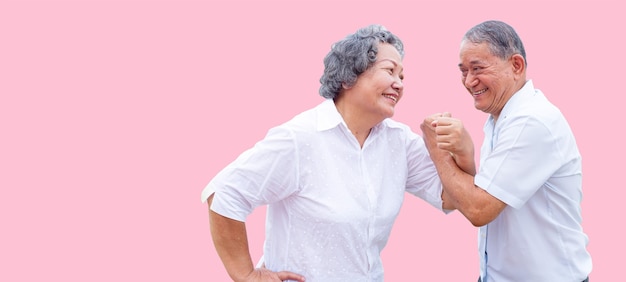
(331, 203)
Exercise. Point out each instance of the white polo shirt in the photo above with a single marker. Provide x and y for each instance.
(530, 161)
(331, 203)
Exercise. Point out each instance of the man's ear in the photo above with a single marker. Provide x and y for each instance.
(519, 64)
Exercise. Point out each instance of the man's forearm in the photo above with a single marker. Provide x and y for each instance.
(466, 163)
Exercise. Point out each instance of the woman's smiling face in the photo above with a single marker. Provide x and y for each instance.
(380, 86)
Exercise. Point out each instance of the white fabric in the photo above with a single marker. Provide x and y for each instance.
(530, 161)
(331, 204)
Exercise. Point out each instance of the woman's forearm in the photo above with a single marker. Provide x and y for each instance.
(231, 242)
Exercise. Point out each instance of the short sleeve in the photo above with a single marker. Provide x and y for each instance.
(422, 179)
(261, 175)
(523, 158)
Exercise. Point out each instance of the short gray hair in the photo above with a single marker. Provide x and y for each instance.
(350, 57)
(502, 39)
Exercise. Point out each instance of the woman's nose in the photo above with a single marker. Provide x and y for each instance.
(397, 84)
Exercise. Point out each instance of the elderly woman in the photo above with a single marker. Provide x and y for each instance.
(333, 177)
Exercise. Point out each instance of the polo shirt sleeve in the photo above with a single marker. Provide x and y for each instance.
(261, 175)
(524, 156)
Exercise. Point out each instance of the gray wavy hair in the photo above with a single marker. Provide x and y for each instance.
(351, 56)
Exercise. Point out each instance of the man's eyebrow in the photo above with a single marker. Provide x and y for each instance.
(474, 62)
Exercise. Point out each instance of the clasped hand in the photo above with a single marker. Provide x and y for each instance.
(443, 131)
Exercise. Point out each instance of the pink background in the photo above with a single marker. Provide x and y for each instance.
(114, 115)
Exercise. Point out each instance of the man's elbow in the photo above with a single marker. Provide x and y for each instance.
(478, 222)
(479, 217)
